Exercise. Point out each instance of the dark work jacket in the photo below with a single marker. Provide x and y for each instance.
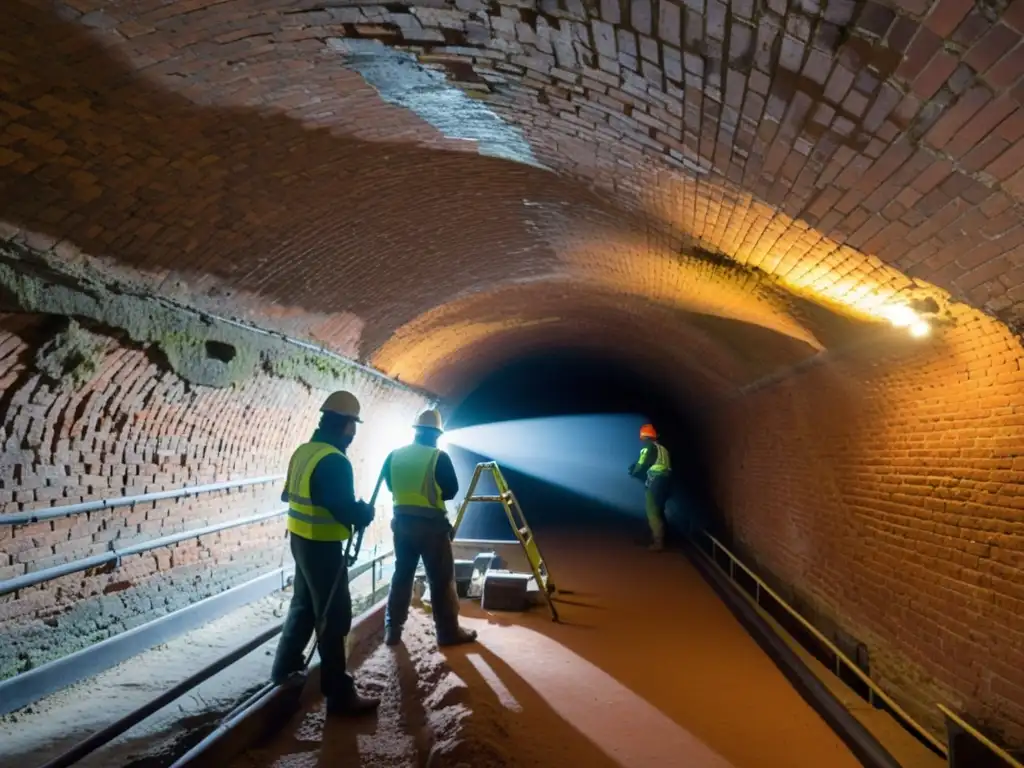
(333, 484)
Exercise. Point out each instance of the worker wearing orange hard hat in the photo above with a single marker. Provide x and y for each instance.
(654, 467)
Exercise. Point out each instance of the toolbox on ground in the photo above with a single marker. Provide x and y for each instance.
(505, 591)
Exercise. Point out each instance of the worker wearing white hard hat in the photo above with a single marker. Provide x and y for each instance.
(323, 513)
(421, 478)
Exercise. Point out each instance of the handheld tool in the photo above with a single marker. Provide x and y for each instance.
(350, 560)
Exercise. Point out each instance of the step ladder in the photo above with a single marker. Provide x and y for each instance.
(517, 520)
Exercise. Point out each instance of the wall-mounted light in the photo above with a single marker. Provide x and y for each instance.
(902, 316)
(920, 329)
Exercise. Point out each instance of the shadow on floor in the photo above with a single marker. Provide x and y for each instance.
(463, 707)
(652, 637)
(513, 720)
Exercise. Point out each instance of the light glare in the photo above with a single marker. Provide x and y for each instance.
(901, 316)
(587, 454)
(920, 329)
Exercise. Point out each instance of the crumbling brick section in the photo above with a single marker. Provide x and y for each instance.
(136, 428)
(885, 489)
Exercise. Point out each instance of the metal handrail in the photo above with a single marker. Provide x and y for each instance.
(36, 516)
(998, 751)
(112, 731)
(115, 729)
(873, 687)
(115, 555)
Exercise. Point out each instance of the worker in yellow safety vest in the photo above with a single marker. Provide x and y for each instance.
(322, 514)
(654, 467)
(421, 478)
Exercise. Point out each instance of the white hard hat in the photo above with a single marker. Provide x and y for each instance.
(431, 418)
(342, 403)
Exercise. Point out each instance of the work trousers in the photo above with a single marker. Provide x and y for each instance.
(417, 537)
(318, 564)
(659, 488)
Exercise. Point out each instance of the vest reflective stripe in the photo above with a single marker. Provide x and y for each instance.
(304, 518)
(412, 478)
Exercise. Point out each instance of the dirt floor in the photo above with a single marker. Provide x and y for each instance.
(45, 729)
(647, 668)
(54, 724)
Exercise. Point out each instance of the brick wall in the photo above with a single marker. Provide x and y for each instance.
(886, 490)
(134, 427)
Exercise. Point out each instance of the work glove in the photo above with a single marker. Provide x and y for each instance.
(365, 514)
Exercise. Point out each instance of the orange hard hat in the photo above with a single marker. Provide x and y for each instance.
(648, 431)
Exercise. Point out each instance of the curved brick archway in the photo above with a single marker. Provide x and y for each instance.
(718, 192)
(265, 121)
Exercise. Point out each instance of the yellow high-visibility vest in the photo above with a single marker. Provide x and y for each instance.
(412, 478)
(304, 518)
(662, 463)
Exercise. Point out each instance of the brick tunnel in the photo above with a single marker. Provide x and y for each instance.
(794, 227)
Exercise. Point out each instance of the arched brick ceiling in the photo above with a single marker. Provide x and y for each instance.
(454, 346)
(790, 167)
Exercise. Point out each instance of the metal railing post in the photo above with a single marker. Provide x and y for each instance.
(52, 513)
(112, 731)
(840, 657)
(33, 578)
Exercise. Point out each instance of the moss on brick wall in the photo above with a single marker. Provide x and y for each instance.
(201, 349)
(73, 356)
(107, 392)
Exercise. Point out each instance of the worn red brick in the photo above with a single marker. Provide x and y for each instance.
(876, 459)
(135, 429)
(984, 153)
(234, 161)
(951, 124)
(1008, 163)
(993, 46)
(946, 15)
(980, 125)
(1007, 70)
(934, 74)
(1014, 15)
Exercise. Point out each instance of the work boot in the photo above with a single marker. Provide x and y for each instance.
(461, 637)
(392, 635)
(351, 705)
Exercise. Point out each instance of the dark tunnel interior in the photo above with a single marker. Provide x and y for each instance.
(788, 234)
(570, 383)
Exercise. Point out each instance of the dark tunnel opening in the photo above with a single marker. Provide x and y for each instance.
(572, 401)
